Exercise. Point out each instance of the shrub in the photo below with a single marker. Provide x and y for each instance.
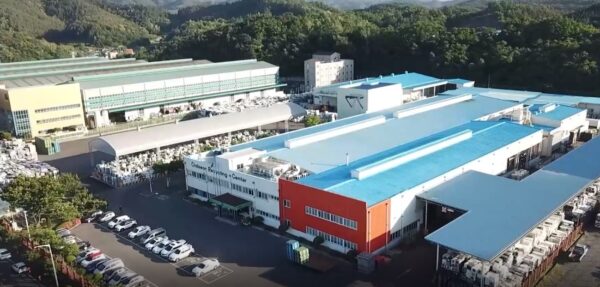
(318, 240)
(312, 120)
(4, 135)
(70, 259)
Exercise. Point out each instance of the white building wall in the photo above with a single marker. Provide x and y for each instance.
(405, 208)
(319, 73)
(269, 187)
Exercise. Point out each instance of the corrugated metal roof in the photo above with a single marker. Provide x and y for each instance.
(146, 139)
(500, 211)
(24, 71)
(104, 67)
(557, 113)
(407, 80)
(526, 97)
(116, 79)
(49, 62)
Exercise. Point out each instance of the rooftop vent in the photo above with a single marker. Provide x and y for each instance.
(432, 106)
(323, 135)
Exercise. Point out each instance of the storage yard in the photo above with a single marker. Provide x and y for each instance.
(20, 158)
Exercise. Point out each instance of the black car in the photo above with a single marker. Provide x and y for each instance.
(93, 216)
(90, 268)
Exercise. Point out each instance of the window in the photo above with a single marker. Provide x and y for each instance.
(57, 119)
(57, 108)
(331, 217)
(407, 230)
(262, 195)
(332, 238)
(287, 203)
(266, 214)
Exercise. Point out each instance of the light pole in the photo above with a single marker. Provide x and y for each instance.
(51, 259)
(27, 225)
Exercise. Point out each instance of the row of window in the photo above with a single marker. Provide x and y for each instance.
(233, 186)
(167, 93)
(242, 189)
(58, 108)
(58, 119)
(266, 214)
(330, 217)
(332, 238)
(405, 231)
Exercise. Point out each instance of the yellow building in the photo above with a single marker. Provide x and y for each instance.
(43, 110)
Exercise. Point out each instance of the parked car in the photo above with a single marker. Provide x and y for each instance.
(20, 267)
(118, 220)
(206, 266)
(152, 243)
(138, 231)
(151, 234)
(113, 272)
(578, 252)
(84, 254)
(108, 265)
(107, 216)
(118, 278)
(132, 281)
(160, 246)
(93, 216)
(84, 245)
(172, 246)
(92, 266)
(63, 232)
(92, 258)
(5, 254)
(125, 225)
(181, 252)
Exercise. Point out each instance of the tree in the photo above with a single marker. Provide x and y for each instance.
(50, 200)
(312, 120)
(167, 169)
(4, 135)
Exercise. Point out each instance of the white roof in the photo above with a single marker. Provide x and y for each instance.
(187, 131)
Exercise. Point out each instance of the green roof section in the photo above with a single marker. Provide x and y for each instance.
(14, 72)
(103, 67)
(49, 62)
(134, 77)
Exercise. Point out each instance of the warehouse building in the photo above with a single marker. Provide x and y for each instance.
(142, 94)
(355, 181)
(39, 98)
(373, 94)
(63, 97)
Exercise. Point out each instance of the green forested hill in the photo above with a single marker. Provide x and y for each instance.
(589, 15)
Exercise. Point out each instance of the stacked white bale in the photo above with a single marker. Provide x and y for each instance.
(18, 158)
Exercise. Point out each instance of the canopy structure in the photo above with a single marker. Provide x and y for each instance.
(186, 131)
(501, 211)
(230, 201)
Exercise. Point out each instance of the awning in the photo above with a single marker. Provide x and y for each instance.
(230, 201)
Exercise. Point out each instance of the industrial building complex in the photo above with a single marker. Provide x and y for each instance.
(66, 96)
(374, 179)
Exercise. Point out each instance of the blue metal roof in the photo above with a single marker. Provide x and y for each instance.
(459, 81)
(277, 142)
(526, 97)
(330, 153)
(487, 137)
(559, 112)
(500, 211)
(371, 85)
(407, 80)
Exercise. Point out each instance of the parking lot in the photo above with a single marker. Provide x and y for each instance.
(157, 270)
(578, 274)
(8, 278)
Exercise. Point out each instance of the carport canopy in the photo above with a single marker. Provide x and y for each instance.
(501, 211)
(186, 131)
(230, 201)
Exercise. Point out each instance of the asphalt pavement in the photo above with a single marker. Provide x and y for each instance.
(578, 274)
(8, 278)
